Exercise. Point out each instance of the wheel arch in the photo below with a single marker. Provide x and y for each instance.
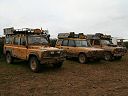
(82, 53)
(8, 52)
(32, 55)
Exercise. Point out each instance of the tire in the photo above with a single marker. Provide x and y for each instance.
(58, 65)
(34, 64)
(108, 56)
(82, 58)
(9, 58)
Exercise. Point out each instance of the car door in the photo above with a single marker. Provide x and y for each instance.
(16, 45)
(19, 50)
(23, 48)
(71, 50)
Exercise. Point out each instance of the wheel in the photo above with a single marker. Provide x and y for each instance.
(108, 56)
(9, 58)
(58, 65)
(82, 58)
(34, 64)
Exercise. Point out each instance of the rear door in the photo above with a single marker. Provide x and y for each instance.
(71, 49)
(23, 48)
(19, 49)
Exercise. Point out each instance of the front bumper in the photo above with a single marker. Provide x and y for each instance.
(119, 54)
(51, 60)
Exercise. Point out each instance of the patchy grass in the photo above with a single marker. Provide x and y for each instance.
(73, 79)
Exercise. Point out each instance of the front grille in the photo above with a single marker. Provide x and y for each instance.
(120, 50)
(53, 54)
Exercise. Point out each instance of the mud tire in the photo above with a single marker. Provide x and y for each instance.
(34, 64)
(108, 56)
(82, 58)
(9, 58)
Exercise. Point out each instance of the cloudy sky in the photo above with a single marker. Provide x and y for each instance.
(88, 16)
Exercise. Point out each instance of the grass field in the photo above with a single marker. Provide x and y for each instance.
(73, 79)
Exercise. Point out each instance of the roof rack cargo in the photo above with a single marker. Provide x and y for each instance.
(71, 35)
(98, 36)
(10, 31)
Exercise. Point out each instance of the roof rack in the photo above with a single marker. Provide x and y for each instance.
(11, 31)
(99, 36)
(71, 35)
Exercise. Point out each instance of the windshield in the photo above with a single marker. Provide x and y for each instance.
(37, 40)
(82, 43)
(106, 42)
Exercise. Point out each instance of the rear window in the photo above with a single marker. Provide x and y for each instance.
(71, 43)
(8, 40)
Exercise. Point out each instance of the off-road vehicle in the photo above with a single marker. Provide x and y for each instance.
(76, 45)
(31, 45)
(112, 51)
(1, 46)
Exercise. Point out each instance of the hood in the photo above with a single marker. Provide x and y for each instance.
(91, 48)
(111, 48)
(45, 48)
(50, 49)
(113, 45)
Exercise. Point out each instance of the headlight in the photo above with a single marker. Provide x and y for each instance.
(91, 52)
(58, 52)
(52, 52)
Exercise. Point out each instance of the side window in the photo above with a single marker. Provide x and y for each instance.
(97, 42)
(71, 43)
(65, 43)
(16, 40)
(23, 41)
(8, 39)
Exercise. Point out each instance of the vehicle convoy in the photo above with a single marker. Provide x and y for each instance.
(76, 45)
(31, 45)
(112, 51)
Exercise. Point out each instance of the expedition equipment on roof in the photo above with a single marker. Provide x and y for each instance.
(31, 45)
(112, 51)
(76, 45)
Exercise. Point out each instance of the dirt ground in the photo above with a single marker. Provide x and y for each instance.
(73, 79)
